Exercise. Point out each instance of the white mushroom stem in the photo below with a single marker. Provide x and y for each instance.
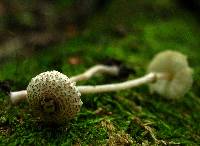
(112, 70)
(18, 96)
(149, 78)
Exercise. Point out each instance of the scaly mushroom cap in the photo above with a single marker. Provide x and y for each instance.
(53, 97)
(175, 65)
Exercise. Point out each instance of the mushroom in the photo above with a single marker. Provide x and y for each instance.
(56, 98)
(18, 96)
(168, 75)
(53, 97)
(176, 77)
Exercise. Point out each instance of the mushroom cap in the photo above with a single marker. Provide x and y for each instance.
(175, 65)
(53, 97)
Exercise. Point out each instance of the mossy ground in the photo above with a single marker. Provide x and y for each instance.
(131, 36)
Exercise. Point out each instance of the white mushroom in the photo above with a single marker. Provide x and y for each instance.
(168, 75)
(18, 96)
(53, 97)
(176, 72)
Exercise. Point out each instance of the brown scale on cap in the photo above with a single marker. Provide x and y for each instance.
(53, 97)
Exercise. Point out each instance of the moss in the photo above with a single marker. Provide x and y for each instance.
(137, 116)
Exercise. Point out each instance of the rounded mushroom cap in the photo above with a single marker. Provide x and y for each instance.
(53, 97)
(175, 66)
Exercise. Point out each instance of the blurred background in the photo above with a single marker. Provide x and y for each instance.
(27, 26)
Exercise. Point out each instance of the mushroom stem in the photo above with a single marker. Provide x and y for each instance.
(149, 78)
(112, 70)
(18, 96)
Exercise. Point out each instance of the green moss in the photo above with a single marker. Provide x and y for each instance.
(136, 115)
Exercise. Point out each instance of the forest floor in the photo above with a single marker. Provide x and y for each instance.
(130, 117)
